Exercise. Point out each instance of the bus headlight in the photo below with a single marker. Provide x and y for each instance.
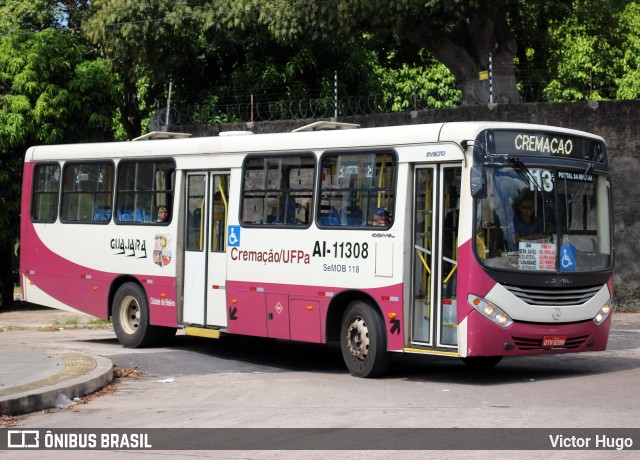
(603, 313)
(490, 311)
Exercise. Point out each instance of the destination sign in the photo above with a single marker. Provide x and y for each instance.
(544, 144)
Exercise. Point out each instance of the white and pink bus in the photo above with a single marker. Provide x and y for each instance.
(475, 240)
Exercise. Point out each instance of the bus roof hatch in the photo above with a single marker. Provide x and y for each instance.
(161, 135)
(326, 126)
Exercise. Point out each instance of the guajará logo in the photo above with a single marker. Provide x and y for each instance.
(162, 250)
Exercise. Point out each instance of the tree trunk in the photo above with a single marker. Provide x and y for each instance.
(467, 50)
(500, 86)
(130, 116)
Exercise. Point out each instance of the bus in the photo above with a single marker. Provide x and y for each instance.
(475, 240)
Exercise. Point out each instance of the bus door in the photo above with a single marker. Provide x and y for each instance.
(435, 237)
(205, 268)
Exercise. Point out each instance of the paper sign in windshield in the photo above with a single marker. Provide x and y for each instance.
(536, 256)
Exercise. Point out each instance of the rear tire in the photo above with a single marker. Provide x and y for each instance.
(130, 314)
(363, 340)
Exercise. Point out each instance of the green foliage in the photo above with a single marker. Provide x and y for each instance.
(52, 91)
(629, 80)
(412, 87)
(584, 51)
(66, 97)
(149, 44)
(19, 16)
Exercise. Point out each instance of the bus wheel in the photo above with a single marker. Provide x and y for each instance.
(481, 362)
(363, 341)
(130, 315)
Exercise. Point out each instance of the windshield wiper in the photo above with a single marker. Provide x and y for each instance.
(585, 179)
(524, 172)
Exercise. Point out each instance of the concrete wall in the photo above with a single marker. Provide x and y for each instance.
(617, 121)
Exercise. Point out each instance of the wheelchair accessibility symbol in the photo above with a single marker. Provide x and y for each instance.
(567, 258)
(233, 235)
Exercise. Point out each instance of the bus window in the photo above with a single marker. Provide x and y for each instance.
(143, 188)
(46, 189)
(564, 210)
(219, 212)
(356, 189)
(87, 192)
(196, 186)
(277, 190)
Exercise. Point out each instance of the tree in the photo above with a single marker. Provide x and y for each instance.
(50, 93)
(461, 34)
(629, 33)
(585, 50)
(467, 37)
(413, 85)
(531, 26)
(149, 45)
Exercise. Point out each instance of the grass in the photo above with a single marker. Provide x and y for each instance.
(75, 324)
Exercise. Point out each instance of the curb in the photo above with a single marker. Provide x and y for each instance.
(82, 374)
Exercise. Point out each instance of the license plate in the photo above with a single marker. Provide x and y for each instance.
(551, 341)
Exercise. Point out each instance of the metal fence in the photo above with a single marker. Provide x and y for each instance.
(327, 107)
(294, 109)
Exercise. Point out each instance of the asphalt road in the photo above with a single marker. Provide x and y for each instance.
(254, 383)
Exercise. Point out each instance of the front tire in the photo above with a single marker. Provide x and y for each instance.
(363, 340)
(130, 314)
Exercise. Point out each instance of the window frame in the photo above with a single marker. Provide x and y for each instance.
(279, 192)
(392, 189)
(34, 192)
(169, 193)
(109, 192)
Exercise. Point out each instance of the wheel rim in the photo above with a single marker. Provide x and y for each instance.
(130, 314)
(358, 339)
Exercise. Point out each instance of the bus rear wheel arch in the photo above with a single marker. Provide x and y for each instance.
(130, 315)
(363, 340)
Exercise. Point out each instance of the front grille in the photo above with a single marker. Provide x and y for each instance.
(526, 344)
(536, 296)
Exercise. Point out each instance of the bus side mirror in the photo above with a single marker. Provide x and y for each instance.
(478, 182)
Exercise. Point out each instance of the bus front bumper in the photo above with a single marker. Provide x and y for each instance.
(485, 338)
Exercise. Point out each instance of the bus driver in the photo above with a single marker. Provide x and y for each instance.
(525, 224)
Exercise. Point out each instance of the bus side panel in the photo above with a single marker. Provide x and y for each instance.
(162, 299)
(25, 212)
(54, 281)
(248, 308)
(390, 300)
(471, 280)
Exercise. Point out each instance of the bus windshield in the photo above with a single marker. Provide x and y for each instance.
(550, 219)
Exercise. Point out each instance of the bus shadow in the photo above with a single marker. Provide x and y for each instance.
(188, 355)
(521, 369)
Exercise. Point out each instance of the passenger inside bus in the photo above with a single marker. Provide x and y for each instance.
(356, 216)
(381, 217)
(163, 214)
(330, 216)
